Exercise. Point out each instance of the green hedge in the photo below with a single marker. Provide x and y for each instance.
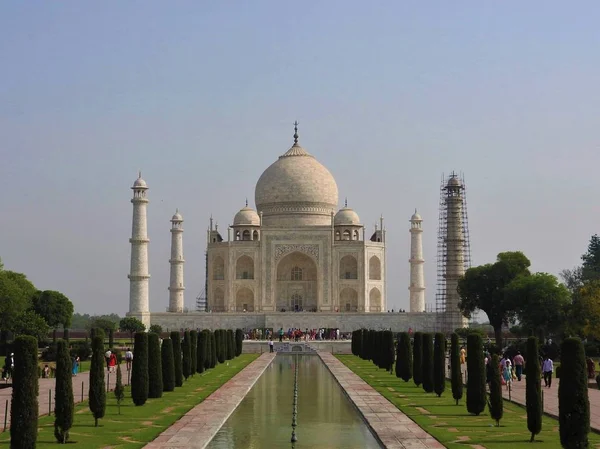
(97, 387)
(24, 406)
(177, 358)
(155, 381)
(63, 396)
(168, 365)
(139, 369)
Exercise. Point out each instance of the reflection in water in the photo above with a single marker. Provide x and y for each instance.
(326, 417)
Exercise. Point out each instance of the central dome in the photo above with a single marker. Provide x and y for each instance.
(296, 190)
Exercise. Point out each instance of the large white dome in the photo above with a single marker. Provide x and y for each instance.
(296, 190)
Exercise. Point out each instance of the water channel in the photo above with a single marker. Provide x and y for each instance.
(326, 417)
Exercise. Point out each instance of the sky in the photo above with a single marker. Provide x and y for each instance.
(201, 97)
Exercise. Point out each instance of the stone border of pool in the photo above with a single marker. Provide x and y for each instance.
(197, 427)
(393, 428)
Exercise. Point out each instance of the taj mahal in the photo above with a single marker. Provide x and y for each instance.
(297, 260)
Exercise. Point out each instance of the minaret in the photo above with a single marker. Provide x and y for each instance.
(176, 287)
(139, 277)
(417, 277)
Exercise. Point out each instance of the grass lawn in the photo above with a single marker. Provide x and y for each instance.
(137, 426)
(451, 424)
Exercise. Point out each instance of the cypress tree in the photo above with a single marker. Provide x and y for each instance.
(363, 344)
(97, 388)
(168, 365)
(220, 340)
(418, 358)
(119, 388)
(63, 397)
(239, 341)
(193, 352)
(372, 345)
(390, 354)
(533, 389)
(213, 350)
(439, 364)
(353, 343)
(155, 382)
(177, 358)
(186, 348)
(399, 358)
(208, 357)
(427, 363)
(476, 393)
(139, 369)
(455, 372)
(405, 355)
(24, 405)
(230, 344)
(201, 351)
(573, 402)
(495, 405)
(66, 335)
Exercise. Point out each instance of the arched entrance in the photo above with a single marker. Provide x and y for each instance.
(296, 288)
(244, 300)
(349, 300)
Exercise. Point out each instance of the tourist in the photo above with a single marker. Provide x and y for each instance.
(519, 361)
(107, 357)
(507, 374)
(270, 344)
(8, 367)
(591, 368)
(128, 358)
(112, 362)
(75, 368)
(547, 369)
(280, 334)
(46, 372)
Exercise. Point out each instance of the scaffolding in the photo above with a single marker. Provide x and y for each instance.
(202, 298)
(453, 251)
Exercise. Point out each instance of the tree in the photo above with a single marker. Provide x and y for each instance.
(220, 343)
(427, 362)
(119, 389)
(573, 402)
(482, 288)
(590, 269)
(439, 364)
(193, 352)
(239, 341)
(540, 301)
(533, 389)
(30, 323)
(16, 293)
(495, 405)
(24, 405)
(418, 358)
(585, 310)
(201, 351)
(455, 368)
(102, 322)
(155, 380)
(66, 335)
(139, 369)
(213, 350)
(404, 362)
(132, 325)
(186, 349)
(97, 387)
(168, 365)
(476, 394)
(54, 307)
(208, 357)
(156, 329)
(177, 358)
(63, 397)
(230, 344)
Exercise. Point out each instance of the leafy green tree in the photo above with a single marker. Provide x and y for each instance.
(177, 358)
(496, 405)
(30, 323)
(16, 293)
(418, 358)
(155, 381)
(66, 334)
(483, 288)
(590, 269)
(193, 352)
(156, 329)
(584, 316)
(97, 387)
(201, 351)
(102, 322)
(132, 325)
(476, 393)
(139, 370)
(168, 365)
(239, 341)
(573, 402)
(455, 368)
(404, 362)
(186, 348)
(427, 362)
(533, 389)
(24, 405)
(54, 307)
(439, 364)
(64, 408)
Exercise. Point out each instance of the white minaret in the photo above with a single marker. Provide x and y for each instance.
(139, 277)
(417, 277)
(176, 261)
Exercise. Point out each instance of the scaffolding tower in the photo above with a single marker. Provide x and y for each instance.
(453, 251)
(202, 298)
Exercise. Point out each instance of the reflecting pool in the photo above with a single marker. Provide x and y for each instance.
(326, 417)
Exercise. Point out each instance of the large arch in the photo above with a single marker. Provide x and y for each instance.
(374, 268)
(218, 300)
(244, 300)
(218, 268)
(297, 280)
(375, 300)
(244, 268)
(348, 267)
(349, 300)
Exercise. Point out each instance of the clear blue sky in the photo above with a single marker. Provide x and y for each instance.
(201, 96)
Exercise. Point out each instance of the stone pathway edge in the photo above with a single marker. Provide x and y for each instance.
(391, 427)
(197, 427)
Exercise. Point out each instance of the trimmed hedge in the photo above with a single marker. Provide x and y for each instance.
(239, 341)
(476, 391)
(213, 350)
(405, 358)
(193, 352)
(495, 405)
(64, 403)
(427, 363)
(418, 358)
(186, 349)
(230, 336)
(177, 358)
(533, 388)
(201, 351)
(208, 358)
(439, 364)
(455, 371)
(97, 387)
(168, 365)
(155, 381)
(24, 405)
(139, 369)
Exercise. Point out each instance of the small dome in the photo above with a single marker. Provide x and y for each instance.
(177, 216)
(140, 183)
(246, 217)
(453, 181)
(416, 216)
(345, 217)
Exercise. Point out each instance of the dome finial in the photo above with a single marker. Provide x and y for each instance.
(346, 202)
(296, 132)
(246, 201)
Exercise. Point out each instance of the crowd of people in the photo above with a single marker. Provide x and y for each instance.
(296, 334)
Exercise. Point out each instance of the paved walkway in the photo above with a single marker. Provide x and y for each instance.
(197, 427)
(80, 384)
(393, 428)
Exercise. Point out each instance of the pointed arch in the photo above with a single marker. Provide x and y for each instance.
(349, 300)
(244, 268)
(218, 300)
(218, 268)
(348, 267)
(375, 300)
(374, 268)
(244, 300)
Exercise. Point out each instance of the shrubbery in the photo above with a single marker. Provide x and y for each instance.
(427, 363)
(533, 388)
(63, 396)
(24, 406)
(139, 369)
(177, 358)
(476, 391)
(455, 369)
(496, 405)
(418, 358)
(168, 365)
(97, 387)
(186, 349)
(155, 381)
(239, 341)
(193, 352)
(439, 364)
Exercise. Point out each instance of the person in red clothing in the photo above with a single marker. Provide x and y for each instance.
(112, 363)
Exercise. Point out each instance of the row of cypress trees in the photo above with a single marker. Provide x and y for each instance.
(377, 346)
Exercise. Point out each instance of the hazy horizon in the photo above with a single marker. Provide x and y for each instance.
(202, 96)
